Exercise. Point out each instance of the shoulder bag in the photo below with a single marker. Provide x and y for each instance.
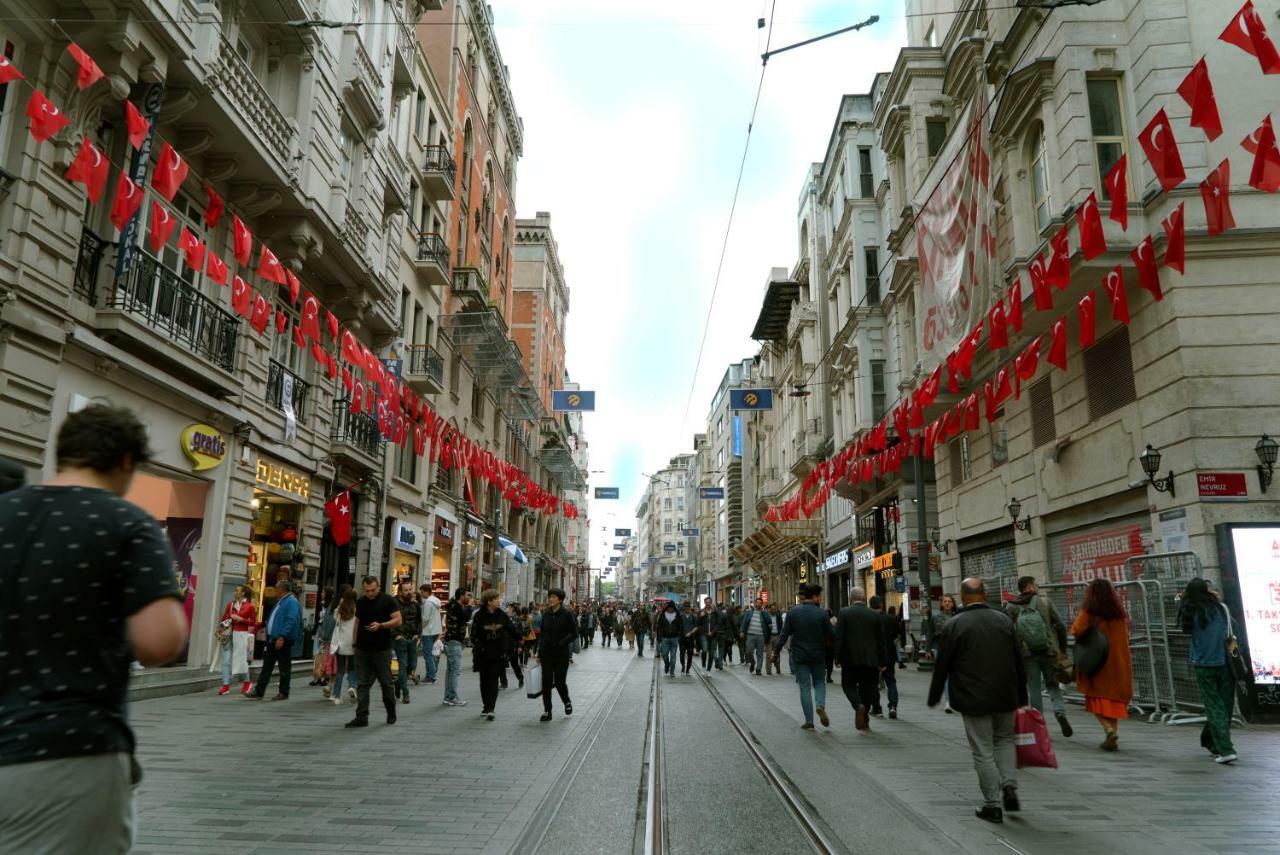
(1235, 661)
(1092, 650)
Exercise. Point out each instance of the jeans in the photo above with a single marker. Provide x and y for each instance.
(490, 674)
(226, 664)
(811, 677)
(1218, 691)
(453, 650)
(686, 654)
(343, 670)
(640, 643)
(429, 643)
(270, 658)
(755, 651)
(406, 652)
(891, 685)
(554, 674)
(860, 685)
(712, 653)
(667, 646)
(1039, 667)
(608, 636)
(373, 665)
(994, 754)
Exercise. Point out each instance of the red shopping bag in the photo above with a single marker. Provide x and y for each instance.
(1031, 736)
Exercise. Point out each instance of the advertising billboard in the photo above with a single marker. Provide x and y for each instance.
(1250, 556)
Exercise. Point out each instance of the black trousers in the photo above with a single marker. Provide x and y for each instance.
(373, 665)
(513, 659)
(861, 685)
(491, 674)
(270, 659)
(686, 653)
(554, 673)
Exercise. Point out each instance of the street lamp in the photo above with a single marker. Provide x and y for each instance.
(1015, 508)
(1266, 451)
(1150, 460)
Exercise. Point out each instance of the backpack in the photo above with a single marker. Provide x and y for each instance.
(1032, 629)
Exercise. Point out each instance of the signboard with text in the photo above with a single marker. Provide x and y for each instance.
(1222, 486)
(1251, 585)
(606, 492)
(711, 493)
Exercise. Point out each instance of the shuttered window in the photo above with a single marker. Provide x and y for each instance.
(961, 466)
(1108, 374)
(1043, 428)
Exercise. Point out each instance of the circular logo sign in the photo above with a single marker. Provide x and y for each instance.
(751, 398)
(575, 400)
(204, 446)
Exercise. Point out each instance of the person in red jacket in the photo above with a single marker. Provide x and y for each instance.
(240, 619)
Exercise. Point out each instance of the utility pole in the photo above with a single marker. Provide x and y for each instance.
(922, 553)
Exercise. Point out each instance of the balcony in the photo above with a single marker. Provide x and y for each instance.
(806, 450)
(396, 192)
(93, 248)
(438, 172)
(151, 311)
(432, 260)
(403, 53)
(361, 82)
(356, 437)
(276, 375)
(355, 232)
(470, 289)
(234, 79)
(424, 369)
(804, 313)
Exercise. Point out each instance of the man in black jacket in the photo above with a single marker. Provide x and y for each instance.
(457, 614)
(979, 653)
(555, 649)
(860, 645)
(404, 638)
(888, 658)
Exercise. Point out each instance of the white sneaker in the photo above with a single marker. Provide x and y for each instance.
(1226, 758)
(351, 693)
(337, 702)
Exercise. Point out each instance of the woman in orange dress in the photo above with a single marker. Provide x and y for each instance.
(1108, 692)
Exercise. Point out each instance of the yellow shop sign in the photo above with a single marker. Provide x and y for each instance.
(204, 446)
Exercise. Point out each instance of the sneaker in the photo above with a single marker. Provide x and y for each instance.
(337, 702)
(1226, 758)
(878, 713)
(546, 716)
(822, 717)
(357, 722)
(351, 692)
(990, 814)
(459, 702)
(252, 696)
(488, 716)
(1011, 803)
(521, 684)
(244, 689)
(948, 710)
(568, 709)
(224, 690)
(405, 699)
(808, 725)
(1065, 725)
(893, 712)
(861, 721)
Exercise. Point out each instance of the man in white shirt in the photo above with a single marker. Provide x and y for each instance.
(430, 629)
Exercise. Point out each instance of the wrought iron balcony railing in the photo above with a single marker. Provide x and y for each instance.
(431, 247)
(358, 430)
(436, 159)
(92, 248)
(275, 389)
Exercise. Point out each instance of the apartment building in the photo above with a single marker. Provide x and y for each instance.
(661, 514)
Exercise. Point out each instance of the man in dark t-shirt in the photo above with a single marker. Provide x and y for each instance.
(86, 586)
(376, 615)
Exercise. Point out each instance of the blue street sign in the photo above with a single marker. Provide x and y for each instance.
(606, 492)
(691, 532)
(900, 584)
(751, 399)
(647, 563)
(620, 546)
(573, 401)
(622, 532)
(737, 436)
(711, 492)
(613, 562)
(668, 547)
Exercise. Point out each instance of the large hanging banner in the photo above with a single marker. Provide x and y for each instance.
(955, 236)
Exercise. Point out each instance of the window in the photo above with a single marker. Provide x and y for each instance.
(419, 116)
(404, 312)
(666, 504)
(413, 207)
(283, 349)
(961, 466)
(666, 525)
(455, 376)
(935, 131)
(9, 108)
(406, 463)
(877, 390)
(865, 177)
(1108, 374)
(346, 156)
(871, 258)
(999, 439)
(1106, 119)
(1040, 201)
(1044, 429)
(477, 404)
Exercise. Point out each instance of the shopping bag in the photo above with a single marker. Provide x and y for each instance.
(533, 682)
(437, 648)
(1031, 737)
(318, 664)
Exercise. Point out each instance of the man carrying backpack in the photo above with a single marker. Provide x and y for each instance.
(1044, 638)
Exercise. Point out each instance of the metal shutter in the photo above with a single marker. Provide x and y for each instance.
(1108, 374)
(1043, 427)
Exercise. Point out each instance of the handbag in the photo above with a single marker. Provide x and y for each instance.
(1092, 650)
(222, 633)
(1235, 661)
(318, 663)
(533, 680)
(1062, 670)
(1031, 739)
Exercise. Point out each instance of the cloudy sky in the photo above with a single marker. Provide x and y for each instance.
(635, 115)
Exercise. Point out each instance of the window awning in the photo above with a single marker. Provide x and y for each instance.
(776, 543)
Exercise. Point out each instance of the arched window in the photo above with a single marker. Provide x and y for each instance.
(467, 143)
(1041, 203)
(488, 195)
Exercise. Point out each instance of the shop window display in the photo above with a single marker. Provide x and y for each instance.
(274, 553)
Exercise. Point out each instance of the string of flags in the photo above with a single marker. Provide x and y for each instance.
(403, 417)
(872, 455)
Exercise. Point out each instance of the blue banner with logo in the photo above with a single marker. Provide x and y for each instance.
(691, 532)
(737, 436)
(573, 401)
(711, 492)
(751, 399)
(622, 532)
(606, 492)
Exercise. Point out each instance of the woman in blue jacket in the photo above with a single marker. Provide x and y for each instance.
(1206, 619)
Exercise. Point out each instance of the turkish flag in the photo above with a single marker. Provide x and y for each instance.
(1197, 90)
(91, 169)
(1265, 174)
(192, 248)
(137, 125)
(971, 412)
(295, 287)
(171, 171)
(46, 119)
(1216, 192)
(317, 352)
(213, 210)
(997, 327)
(242, 241)
(1162, 150)
(1026, 364)
(282, 322)
(1087, 313)
(350, 348)
(269, 267)
(1003, 386)
(346, 378)
(331, 366)
(1015, 305)
(1089, 219)
(1039, 284)
(1144, 258)
(1175, 250)
(1113, 284)
(1058, 344)
(8, 71)
(87, 71)
(216, 268)
(127, 202)
(241, 297)
(338, 510)
(260, 316)
(1058, 273)
(1117, 184)
(310, 318)
(298, 340)
(1247, 33)
(162, 225)
(332, 321)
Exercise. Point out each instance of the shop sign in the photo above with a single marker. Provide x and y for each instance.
(444, 531)
(283, 480)
(1099, 554)
(408, 537)
(1222, 486)
(839, 559)
(863, 556)
(473, 531)
(204, 446)
(887, 564)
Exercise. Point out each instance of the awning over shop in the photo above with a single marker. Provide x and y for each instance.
(776, 543)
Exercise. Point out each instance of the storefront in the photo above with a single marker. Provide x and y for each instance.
(281, 495)
(407, 542)
(444, 536)
(836, 568)
(863, 556)
(473, 541)
(890, 582)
